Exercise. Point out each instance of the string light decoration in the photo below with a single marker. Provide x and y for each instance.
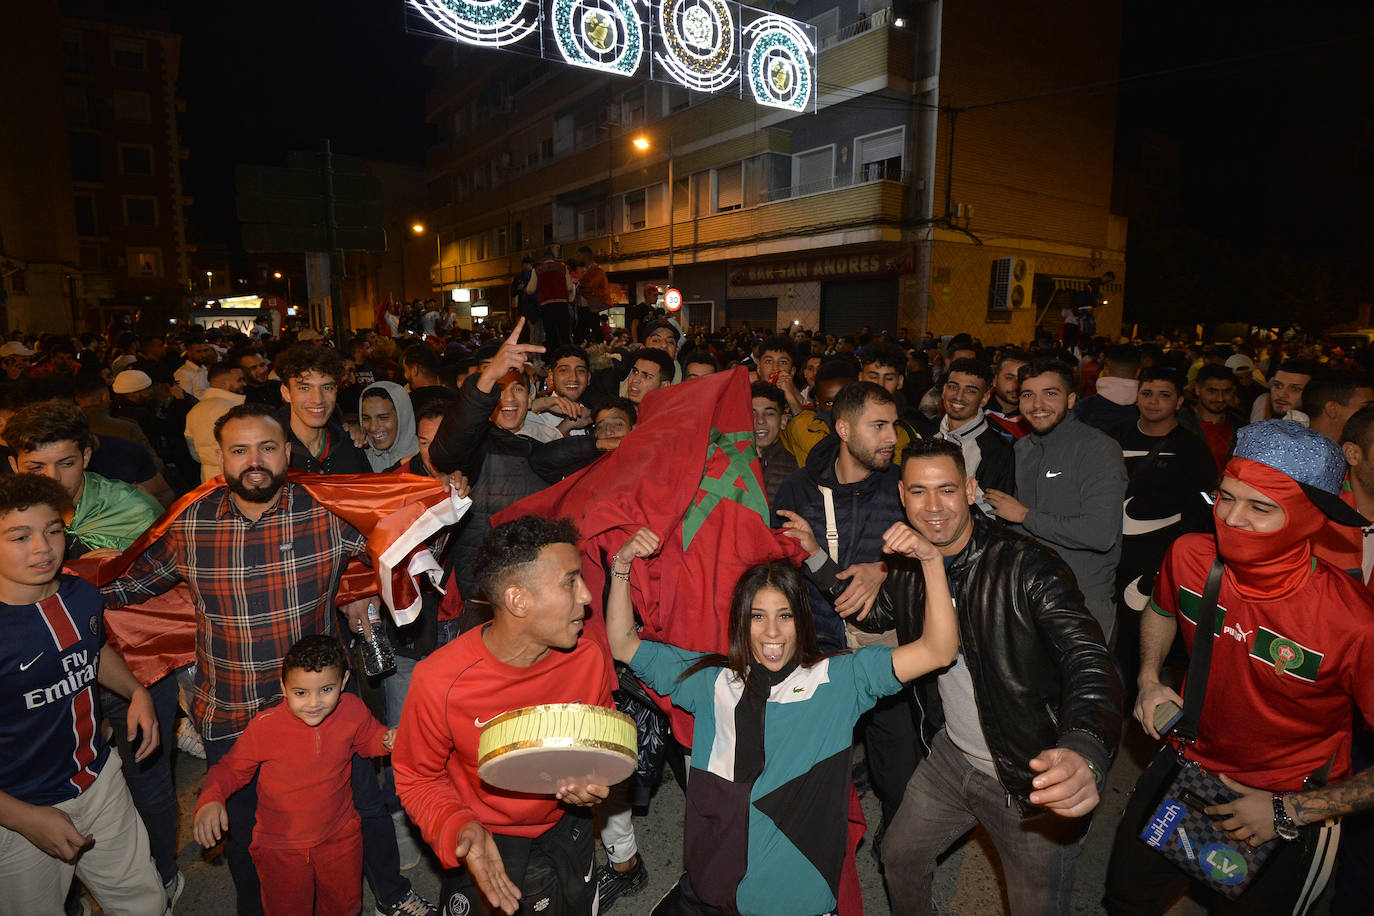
(697, 43)
(779, 61)
(712, 46)
(489, 23)
(606, 35)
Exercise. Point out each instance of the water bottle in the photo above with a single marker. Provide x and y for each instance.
(378, 658)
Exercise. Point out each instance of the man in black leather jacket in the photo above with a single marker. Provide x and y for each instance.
(1019, 733)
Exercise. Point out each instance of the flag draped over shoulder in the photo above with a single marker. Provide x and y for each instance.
(689, 472)
(397, 513)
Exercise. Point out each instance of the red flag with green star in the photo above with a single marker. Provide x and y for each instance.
(689, 472)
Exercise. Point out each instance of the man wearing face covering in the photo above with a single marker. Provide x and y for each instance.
(1293, 660)
(388, 422)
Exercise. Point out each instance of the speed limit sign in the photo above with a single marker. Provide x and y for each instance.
(672, 300)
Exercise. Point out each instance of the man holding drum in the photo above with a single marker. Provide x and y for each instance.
(521, 852)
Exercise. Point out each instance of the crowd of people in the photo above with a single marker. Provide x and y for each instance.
(1008, 551)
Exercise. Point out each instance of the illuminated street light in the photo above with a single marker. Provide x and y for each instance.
(276, 274)
(417, 228)
(641, 143)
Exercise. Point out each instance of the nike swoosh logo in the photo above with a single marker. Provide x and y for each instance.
(26, 667)
(1135, 599)
(1053, 473)
(480, 724)
(591, 868)
(1133, 527)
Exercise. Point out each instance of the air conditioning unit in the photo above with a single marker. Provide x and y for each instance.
(614, 115)
(1010, 287)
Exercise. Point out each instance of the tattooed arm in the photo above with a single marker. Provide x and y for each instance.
(1316, 805)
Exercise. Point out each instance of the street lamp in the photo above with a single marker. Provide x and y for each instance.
(276, 275)
(641, 143)
(419, 229)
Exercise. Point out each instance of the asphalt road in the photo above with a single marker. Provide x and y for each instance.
(968, 880)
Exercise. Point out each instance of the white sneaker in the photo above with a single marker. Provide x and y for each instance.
(174, 888)
(188, 739)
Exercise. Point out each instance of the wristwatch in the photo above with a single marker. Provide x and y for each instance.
(1283, 824)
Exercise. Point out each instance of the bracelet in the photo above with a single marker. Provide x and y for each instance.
(619, 575)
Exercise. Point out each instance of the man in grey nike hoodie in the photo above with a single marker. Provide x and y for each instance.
(1070, 484)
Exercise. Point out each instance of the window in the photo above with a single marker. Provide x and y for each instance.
(133, 107)
(145, 262)
(632, 107)
(85, 148)
(546, 149)
(635, 210)
(86, 223)
(499, 243)
(78, 106)
(140, 211)
(682, 198)
(19, 284)
(730, 188)
(814, 170)
(73, 52)
(879, 156)
(135, 159)
(562, 135)
(591, 221)
(129, 53)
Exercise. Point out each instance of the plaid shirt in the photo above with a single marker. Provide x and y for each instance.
(258, 586)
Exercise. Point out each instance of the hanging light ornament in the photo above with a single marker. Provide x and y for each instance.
(779, 62)
(698, 43)
(490, 23)
(606, 35)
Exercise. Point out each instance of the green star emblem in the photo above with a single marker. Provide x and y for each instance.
(736, 482)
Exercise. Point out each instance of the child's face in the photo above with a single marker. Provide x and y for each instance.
(312, 695)
(32, 542)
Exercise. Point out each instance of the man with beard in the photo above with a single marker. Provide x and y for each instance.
(847, 494)
(257, 371)
(1070, 485)
(1285, 392)
(1211, 417)
(262, 560)
(1004, 409)
(1020, 731)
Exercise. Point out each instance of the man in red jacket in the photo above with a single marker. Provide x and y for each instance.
(517, 850)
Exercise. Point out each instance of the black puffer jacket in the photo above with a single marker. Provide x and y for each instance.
(502, 467)
(1042, 675)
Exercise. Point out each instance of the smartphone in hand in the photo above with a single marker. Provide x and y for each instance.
(1166, 716)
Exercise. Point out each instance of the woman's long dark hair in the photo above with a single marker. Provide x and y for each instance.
(786, 579)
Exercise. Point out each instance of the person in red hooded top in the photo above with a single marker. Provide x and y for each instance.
(1292, 662)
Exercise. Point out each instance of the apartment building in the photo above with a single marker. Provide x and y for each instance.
(886, 206)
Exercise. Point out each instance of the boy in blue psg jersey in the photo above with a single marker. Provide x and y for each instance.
(64, 806)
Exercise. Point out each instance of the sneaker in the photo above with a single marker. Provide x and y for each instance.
(174, 888)
(405, 841)
(611, 885)
(412, 904)
(188, 739)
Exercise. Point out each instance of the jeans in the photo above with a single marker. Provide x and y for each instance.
(946, 797)
(381, 860)
(150, 780)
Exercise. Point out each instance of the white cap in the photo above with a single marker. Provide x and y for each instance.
(130, 381)
(1239, 361)
(310, 334)
(14, 348)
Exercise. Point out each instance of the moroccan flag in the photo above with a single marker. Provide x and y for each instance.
(397, 513)
(690, 473)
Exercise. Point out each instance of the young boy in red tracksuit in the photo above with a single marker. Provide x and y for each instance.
(307, 845)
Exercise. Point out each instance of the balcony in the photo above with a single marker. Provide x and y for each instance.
(870, 54)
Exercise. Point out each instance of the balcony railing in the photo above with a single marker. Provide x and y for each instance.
(874, 171)
(879, 19)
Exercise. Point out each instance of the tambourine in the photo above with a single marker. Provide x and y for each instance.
(539, 748)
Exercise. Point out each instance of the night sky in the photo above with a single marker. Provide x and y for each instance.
(1270, 144)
